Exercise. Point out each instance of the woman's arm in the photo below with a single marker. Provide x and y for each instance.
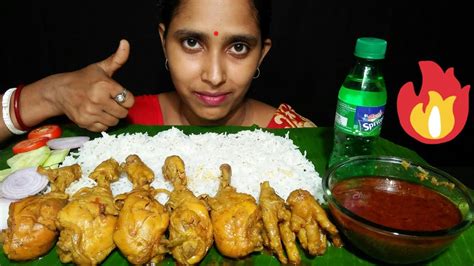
(85, 96)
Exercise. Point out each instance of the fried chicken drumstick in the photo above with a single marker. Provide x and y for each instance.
(236, 219)
(142, 220)
(87, 222)
(190, 230)
(31, 229)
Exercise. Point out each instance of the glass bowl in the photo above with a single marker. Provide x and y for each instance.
(377, 203)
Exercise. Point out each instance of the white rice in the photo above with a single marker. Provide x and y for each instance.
(254, 156)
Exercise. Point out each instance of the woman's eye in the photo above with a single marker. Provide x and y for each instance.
(191, 44)
(239, 49)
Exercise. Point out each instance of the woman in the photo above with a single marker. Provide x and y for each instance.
(213, 49)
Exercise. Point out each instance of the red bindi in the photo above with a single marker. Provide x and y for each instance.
(216, 33)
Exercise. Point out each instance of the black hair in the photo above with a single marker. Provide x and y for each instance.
(168, 8)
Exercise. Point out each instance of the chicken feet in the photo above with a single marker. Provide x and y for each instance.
(276, 223)
(310, 222)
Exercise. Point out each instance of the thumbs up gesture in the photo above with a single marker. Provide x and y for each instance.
(87, 96)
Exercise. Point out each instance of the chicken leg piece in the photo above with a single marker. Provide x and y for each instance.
(87, 222)
(142, 220)
(31, 228)
(236, 219)
(190, 230)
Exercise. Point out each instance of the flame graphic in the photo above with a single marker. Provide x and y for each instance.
(439, 112)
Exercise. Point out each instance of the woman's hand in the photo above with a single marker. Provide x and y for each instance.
(86, 96)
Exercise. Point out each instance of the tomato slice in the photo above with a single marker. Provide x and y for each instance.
(29, 144)
(49, 131)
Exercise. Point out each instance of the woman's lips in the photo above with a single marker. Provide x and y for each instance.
(212, 100)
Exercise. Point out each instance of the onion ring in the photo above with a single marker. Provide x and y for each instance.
(67, 142)
(23, 183)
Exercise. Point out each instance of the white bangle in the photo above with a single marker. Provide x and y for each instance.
(6, 99)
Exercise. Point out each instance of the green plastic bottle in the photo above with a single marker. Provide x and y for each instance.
(361, 102)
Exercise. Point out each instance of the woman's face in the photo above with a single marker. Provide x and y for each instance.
(213, 48)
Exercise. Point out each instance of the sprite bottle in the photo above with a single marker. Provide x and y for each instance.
(361, 103)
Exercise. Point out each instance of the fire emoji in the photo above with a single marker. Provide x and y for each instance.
(439, 112)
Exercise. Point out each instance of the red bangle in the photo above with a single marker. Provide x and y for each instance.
(16, 107)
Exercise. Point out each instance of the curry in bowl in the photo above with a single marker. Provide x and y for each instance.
(395, 210)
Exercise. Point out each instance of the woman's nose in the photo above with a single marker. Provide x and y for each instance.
(213, 71)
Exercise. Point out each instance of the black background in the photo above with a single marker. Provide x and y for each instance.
(312, 50)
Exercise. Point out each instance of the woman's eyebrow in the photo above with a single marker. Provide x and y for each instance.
(245, 38)
(190, 34)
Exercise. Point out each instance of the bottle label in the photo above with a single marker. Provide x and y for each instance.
(359, 120)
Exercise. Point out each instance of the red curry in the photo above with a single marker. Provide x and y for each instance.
(397, 204)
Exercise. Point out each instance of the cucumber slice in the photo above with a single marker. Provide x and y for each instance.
(21, 156)
(4, 173)
(29, 159)
(53, 166)
(56, 157)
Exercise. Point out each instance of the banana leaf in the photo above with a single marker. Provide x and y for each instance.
(317, 143)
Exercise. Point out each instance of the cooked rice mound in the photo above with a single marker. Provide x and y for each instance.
(254, 155)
